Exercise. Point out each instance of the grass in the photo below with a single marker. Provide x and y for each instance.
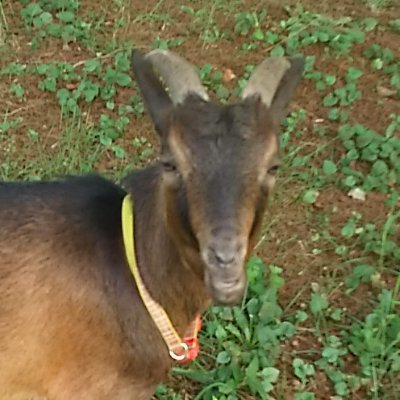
(379, 4)
(321, 315)
(3, 26)
(75, 151)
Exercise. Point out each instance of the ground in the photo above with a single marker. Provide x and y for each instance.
(321, 319)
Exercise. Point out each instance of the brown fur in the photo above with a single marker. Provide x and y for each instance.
(72, 325)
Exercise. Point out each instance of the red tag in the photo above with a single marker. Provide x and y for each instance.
(192, 342)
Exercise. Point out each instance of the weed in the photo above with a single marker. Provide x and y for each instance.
(213, 79)
(380, 152)
(395, 25)
(376, 341)
(55, 18)
(383, 59)
(377, 4)
(247, 22)
(248, 342)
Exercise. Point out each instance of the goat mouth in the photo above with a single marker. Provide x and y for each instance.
(226, 292)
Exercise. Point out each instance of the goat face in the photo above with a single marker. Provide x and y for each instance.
(218, 162)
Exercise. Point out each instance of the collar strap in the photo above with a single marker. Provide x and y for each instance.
(181, 350)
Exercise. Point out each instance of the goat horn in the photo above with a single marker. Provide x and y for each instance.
(266, 78)
(179, 75)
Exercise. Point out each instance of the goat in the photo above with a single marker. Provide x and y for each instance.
(73, 324)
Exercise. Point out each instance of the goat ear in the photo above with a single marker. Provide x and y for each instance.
(274, 82)
(156, 99)
(180, 76)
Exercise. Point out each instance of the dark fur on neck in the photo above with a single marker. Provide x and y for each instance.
(173, 284)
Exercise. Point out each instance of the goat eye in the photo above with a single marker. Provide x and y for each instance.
(169, 166)
(273, 170)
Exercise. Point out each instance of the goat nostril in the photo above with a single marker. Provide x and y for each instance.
(223, 258)
(225, 248)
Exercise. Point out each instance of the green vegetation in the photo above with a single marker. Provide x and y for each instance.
(321, 316)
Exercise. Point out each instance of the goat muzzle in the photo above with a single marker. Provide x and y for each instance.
(224, 258)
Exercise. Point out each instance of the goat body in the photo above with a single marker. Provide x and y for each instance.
(72, 324)
(70, 316)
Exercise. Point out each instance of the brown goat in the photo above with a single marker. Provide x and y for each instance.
(72, 324)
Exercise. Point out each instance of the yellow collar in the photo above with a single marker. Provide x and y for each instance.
(179, 350)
